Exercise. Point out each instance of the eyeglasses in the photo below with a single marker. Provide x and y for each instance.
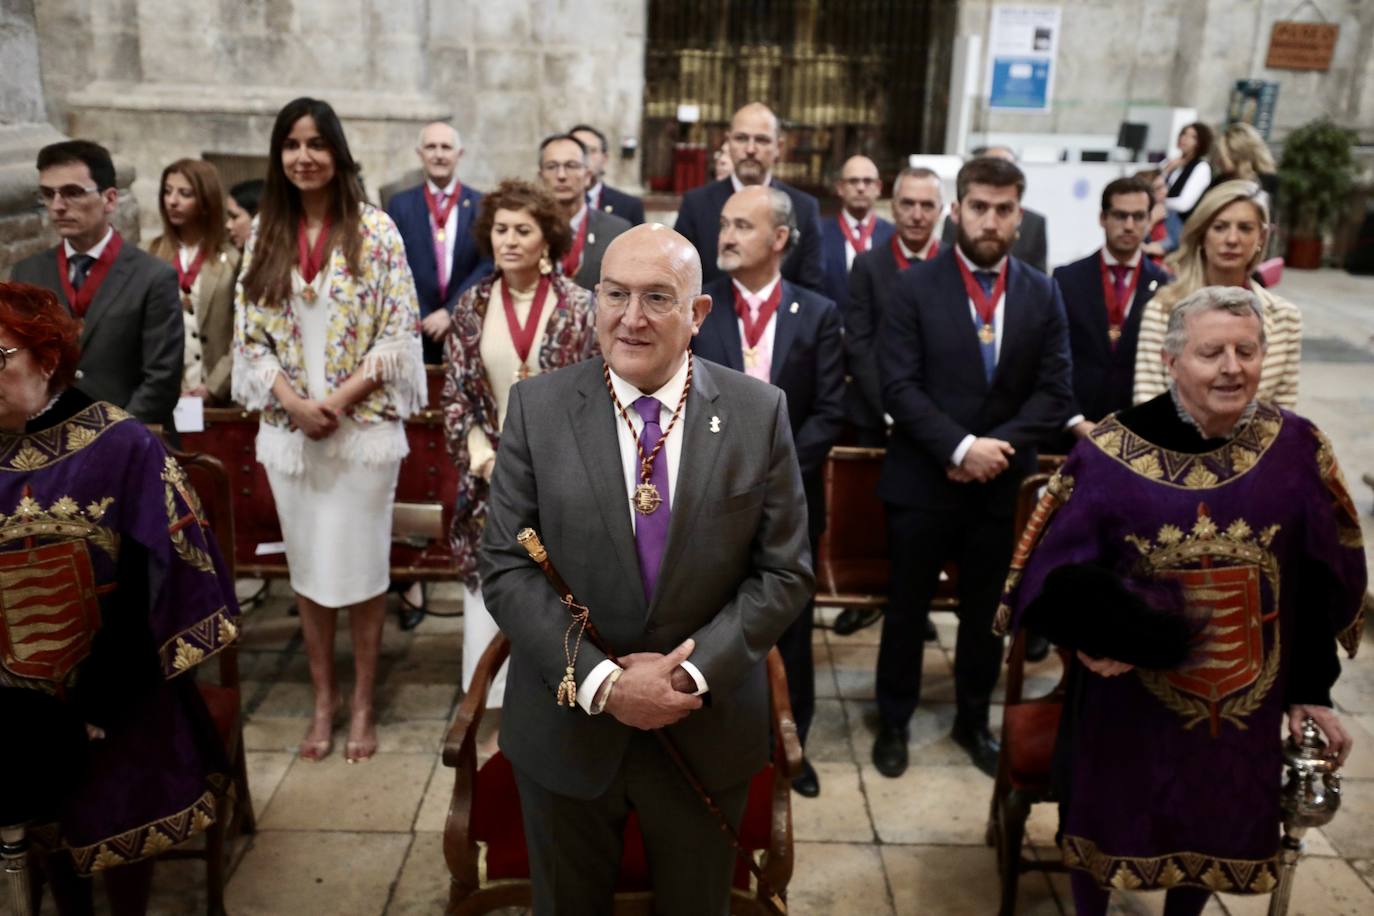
(572, 167)
(1121, 216)
(5, 354)
(658, 304)
(71, 193)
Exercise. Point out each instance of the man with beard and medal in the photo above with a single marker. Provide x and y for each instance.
(128, 302)
(764, 326)
(1104, 296)
(974, 356)
(755, 145)
(1032, 243)
(563, 169)
(667, 493)
(435, 220)
(856, 229)
(1201, 556)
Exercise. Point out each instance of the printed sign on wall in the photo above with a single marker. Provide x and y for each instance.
(1022, 44)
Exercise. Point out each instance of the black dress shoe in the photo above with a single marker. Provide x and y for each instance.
(1037, 648)
(932, 634)
(981, 746)
(854, 619)
(411, 614)
(889, 750)
(807, 784)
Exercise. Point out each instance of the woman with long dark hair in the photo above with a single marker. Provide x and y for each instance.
(195, 241)
(327, 347)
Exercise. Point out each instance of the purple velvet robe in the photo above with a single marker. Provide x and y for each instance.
(1174, 776)
(112, 591)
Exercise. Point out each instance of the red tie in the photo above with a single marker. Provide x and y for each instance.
(1119, 274)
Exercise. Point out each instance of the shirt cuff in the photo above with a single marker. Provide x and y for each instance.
(1074, 421)
(697, 677)
(479, 449)
(586, 692)
(959, 453)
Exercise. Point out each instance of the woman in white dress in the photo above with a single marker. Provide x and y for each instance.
(195, 241)
(327, 346)
(522, 320)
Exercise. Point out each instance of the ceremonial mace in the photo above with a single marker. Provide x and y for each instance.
(1310, 797)
(529, 539)
(14, 849)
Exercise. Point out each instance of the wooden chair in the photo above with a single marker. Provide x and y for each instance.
(1029, 728)
(207, 475)
(485, 808)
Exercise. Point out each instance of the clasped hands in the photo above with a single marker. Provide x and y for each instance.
(1338, 740)
(984, 460)
(318, 419)
(655, 690)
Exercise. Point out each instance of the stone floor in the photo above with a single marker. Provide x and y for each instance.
(367, 839)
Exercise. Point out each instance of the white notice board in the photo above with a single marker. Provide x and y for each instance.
(1022, 44)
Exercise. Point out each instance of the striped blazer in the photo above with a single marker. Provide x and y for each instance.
(1278, 375)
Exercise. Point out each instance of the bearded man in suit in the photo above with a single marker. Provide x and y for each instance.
(693, 560)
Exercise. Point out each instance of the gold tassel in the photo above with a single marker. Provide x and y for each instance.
(567, 689)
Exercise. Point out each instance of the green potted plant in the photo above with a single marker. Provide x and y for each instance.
(1314, 182)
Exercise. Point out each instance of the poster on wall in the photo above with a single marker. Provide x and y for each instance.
(1022, 44)
(1252, 102)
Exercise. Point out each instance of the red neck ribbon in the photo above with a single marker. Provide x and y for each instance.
(186, 276)
(903, 262)
(985, 305)
(1116, 310)
(572, 261)
(310, 258)
(439, 216)
(858, 242)
(523, 337)
(753, 330)
(80, 299)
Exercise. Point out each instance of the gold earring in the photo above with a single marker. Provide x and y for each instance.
(545, 265)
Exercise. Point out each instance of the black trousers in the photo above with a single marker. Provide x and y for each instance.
(575, 844)
(794, 645)
(920, 542)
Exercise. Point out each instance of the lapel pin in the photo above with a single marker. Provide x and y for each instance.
(795, 307)
(1153, 284)
(715, 424)
(610, 208)
(591, 238)
(466, 201)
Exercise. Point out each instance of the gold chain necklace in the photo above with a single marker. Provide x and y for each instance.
(647, 499)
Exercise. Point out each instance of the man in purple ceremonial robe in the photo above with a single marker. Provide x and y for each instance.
(1201, 554)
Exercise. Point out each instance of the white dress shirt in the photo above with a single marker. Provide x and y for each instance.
(450, 224)
(94, 251)
(967, 442)
(855, 228)
(668, 397)
(763, 355)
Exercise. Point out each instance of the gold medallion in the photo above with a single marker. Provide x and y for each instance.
(751, 357)
(986, 334)
(1114, 333)
(647, 499)
(439, 235)
(522, 373)
(309, 294)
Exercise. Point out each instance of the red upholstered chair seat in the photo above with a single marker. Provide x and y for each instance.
(496, 821)
(1029, 733)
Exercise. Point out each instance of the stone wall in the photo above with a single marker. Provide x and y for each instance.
(160, 79)
(1188, 53)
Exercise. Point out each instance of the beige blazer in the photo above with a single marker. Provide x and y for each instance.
(215, 318)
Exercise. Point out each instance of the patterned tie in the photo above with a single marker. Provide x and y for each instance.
(988, 279)
(651, 531)
(1119, 274)
(441, 247)
(80, 266)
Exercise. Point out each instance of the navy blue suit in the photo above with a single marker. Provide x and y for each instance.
(935, 388)
(832, 255)
(1103, 378)
(411, 215)
(618, 203)
(698, 219)
(808, 366)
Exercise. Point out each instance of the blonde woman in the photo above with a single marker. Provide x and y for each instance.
(1242, 155)
(1222, 243)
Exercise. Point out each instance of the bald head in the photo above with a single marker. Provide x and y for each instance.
(649, 304)
(439, 151)
(858, 186)
(999, 152)
(754, 142)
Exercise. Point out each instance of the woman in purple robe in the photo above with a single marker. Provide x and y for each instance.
(111, 593)
(1201, 554)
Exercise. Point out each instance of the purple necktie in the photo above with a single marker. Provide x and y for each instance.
(651, 531)
(441, 247)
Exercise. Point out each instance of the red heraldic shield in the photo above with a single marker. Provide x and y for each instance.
(49, 610)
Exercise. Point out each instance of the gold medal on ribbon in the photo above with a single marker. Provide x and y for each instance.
(647, 499)
(522, 373)
(309, 295)
(1114, 333)
(439, 235)
(751, 357)
(986, 334)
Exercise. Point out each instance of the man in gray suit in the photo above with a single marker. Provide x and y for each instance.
(692, 593)
(126, 299)
(563, 169)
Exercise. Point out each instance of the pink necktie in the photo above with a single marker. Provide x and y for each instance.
(441, 247)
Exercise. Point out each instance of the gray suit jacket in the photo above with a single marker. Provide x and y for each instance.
(602, 228)
(132, 339)
(736, 572)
